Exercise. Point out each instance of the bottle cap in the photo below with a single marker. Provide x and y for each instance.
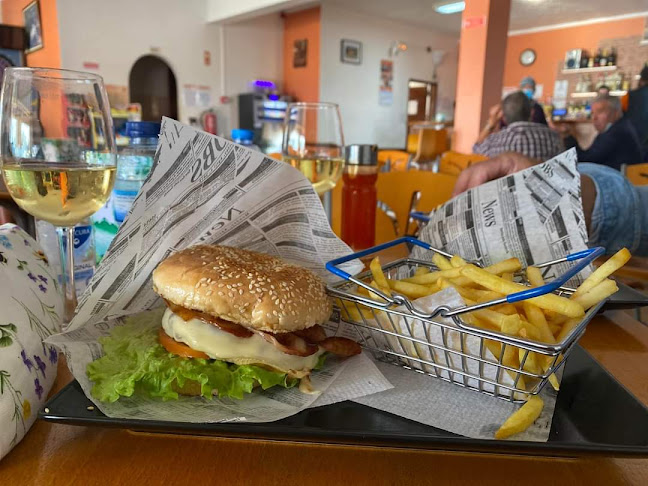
(242, 134)
(140, 129)
(362, 154)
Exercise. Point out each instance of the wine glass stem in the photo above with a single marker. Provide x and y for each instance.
(66, 247)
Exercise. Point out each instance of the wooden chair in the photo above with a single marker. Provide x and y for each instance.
(398, 159)
(453, 163)
(395, 189)
(636, 173)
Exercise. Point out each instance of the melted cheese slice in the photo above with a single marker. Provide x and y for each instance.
(222, 345)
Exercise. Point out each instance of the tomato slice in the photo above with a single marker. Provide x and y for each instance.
(180, 349)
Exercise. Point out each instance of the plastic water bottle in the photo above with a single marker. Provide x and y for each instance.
(84, 251)
(133, 165)
(245, 138)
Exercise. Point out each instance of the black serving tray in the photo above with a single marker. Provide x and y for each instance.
(594, 414)
(625, 298)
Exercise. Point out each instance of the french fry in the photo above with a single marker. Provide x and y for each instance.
(615, 262)
(554, 382)
(421, 271)
(457, 262)
(442, 262)
(522, 418)
(379, 276)
(411, 290)
(597, 293)
(510, 265)
(531, 363)
(548, 301)
(537, 318)
(534, 276)
(566, 329)
(507, 276)
(432, 277)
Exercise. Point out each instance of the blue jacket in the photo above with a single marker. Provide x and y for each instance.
(637, 114)
(617, 145)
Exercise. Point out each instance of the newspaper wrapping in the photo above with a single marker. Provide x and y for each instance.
(535, 215)
(204, 189)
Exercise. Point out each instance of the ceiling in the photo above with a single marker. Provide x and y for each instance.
(525, 14)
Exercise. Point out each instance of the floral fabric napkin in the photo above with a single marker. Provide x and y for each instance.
(30, 310)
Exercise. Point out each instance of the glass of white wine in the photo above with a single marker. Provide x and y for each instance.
(313, 143)
(57, 152)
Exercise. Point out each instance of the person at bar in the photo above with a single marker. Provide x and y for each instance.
(615, 210)
(519, 134)
(636, 111)
(617, 142)
(528, 87)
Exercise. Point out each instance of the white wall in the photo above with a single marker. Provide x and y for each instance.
(355, 88)
(116, 33)
(253, 50)
(226, 10)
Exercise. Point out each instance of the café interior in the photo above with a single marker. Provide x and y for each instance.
(414, 103)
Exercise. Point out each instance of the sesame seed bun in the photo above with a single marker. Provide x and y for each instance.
(255, 290)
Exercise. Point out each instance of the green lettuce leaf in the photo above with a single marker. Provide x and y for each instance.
(134, 361)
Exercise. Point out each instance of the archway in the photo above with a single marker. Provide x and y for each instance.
(152, 83)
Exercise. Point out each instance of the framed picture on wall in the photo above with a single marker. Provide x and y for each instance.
(300, 53)
(33, 27)
(350, 51)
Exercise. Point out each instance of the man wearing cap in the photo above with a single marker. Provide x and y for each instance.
(528, 87)
(637, 110)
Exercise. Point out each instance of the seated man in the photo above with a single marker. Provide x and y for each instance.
(637, 110)
(520, 135)
(614, 209)
(616, 143)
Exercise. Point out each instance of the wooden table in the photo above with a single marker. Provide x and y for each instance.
(62, 454)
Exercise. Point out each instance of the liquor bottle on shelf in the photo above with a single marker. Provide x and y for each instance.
(604, 56)
(597, 58)
(584, 60)
(590, 61)
(613, 57)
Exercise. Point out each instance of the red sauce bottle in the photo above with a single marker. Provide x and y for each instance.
(359, 196)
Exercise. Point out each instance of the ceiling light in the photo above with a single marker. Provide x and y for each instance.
(449, 7)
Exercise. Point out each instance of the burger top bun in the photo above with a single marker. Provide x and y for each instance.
(255, 290)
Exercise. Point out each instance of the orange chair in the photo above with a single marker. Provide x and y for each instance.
(636, 173)
(398, 160)
(395, 189)
(432, 142)
(453, 163)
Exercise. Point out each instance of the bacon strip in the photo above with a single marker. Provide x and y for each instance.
(313, 334)
(227, 326)
(290, 343)
(341, 346)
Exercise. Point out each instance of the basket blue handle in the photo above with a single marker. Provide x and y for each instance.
(584, 258)
(420, 216)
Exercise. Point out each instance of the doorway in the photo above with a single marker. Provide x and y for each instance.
(421, 100)
(152, 84)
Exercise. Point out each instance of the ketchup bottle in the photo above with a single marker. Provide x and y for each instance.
(359, 196)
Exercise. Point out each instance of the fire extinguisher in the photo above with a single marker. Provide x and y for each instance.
(208, 121)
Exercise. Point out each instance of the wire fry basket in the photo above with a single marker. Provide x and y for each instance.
(441, 343)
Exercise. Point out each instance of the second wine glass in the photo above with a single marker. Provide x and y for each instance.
(313, 143)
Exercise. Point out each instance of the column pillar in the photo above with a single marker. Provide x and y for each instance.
(482, 52)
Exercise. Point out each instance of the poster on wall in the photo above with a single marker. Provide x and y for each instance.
(386, 90)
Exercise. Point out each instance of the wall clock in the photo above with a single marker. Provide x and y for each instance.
(527, 57)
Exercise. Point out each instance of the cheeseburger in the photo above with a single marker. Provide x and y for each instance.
(234, 319)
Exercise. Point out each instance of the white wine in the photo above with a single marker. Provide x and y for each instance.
(62, 195)
(323, 173)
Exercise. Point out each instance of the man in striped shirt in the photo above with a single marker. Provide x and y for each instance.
(520, 135)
